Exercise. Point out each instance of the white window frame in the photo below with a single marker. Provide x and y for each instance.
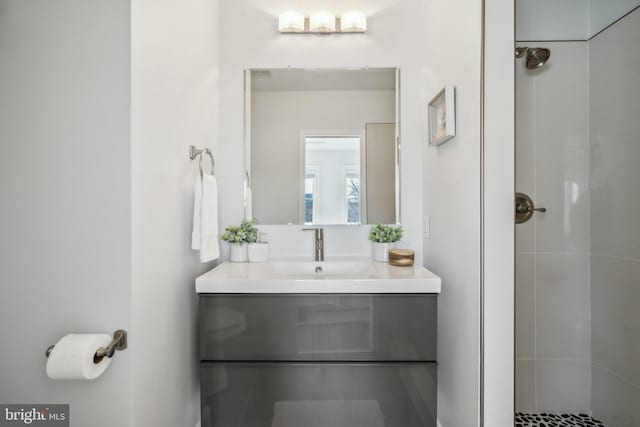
(346, 171)
(313, 170)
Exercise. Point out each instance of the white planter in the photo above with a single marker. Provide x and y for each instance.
(239, 252)
(381, 251)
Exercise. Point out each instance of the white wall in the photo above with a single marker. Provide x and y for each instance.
(553, 20)
(452, 201)
(69, 266)
(277, 119)
(249, 39)
(65, 263)
(615, 237)
(550, 20)
(174, 104)
(552, 249)
(604, 12)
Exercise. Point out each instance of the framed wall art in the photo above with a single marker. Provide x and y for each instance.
(442, 116)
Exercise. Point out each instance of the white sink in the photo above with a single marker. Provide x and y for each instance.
(325, 268)
(300, 276)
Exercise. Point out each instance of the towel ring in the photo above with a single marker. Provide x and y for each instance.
(212, 164)
(194, 152)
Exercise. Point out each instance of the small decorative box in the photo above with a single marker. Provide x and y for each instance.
(401, 257)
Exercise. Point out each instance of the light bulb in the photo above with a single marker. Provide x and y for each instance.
(322, 22)
(291, 22)
(353, 22)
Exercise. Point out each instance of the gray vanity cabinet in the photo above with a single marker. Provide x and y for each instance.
(272, 360)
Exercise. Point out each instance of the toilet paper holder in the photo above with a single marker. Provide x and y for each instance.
(119, 342)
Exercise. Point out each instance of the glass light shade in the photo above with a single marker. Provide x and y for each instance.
(291, 22)
(353, 22)
(322, 22)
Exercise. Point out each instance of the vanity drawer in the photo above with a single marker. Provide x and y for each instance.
(341, 327)
(309, 394)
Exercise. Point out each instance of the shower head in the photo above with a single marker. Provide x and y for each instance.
(537, 57)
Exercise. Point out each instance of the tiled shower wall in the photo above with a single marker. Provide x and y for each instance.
(578, 265)
(614, 68)
(553, 367)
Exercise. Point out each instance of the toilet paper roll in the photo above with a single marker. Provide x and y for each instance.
(72, 357)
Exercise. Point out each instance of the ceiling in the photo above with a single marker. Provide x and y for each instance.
(297, 79)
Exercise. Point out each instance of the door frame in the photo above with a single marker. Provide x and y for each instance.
(497, 322)
(304, 134)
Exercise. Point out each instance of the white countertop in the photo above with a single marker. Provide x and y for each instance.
(297, 276)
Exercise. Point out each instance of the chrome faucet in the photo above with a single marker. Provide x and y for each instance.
(319, 243)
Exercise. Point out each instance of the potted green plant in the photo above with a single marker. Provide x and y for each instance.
(384, 238)
(238, 237)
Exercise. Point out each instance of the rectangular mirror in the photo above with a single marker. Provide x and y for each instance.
(321, 146)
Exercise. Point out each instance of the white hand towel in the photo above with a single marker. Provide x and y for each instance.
(205, 218)
(197, 208)
(209, 244)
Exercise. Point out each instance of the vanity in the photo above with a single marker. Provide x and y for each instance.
(340, 343)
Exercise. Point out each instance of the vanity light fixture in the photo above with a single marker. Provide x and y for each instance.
(322, 22)
(353, 21)
(291, 22)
